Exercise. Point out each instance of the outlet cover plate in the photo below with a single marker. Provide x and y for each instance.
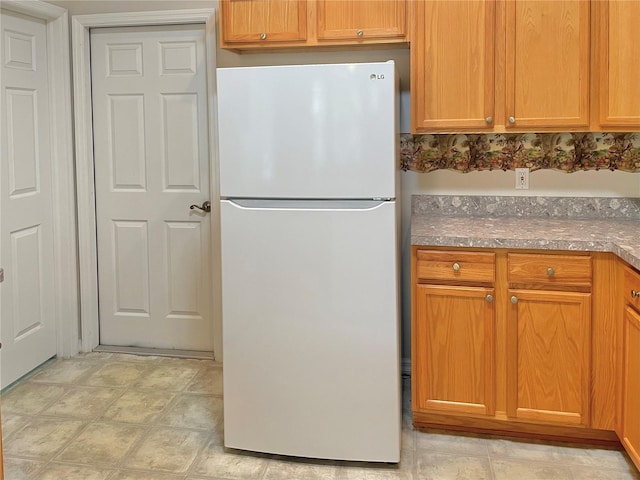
(522, 179)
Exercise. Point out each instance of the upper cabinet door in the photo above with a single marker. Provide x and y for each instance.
(617, 60)
(255, 21)
(360, 20)
(547, 63)
(452, 64)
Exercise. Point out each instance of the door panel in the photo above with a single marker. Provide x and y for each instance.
(362, 19)
(27, 318)
(151, 164)
(131, 267)
(271, 21)
(547, 62)
(631, 385)
(548, 366)
(126, 143)
(455, 356)
(452, 84)
(618, 49)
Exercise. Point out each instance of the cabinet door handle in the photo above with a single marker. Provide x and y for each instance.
(489, 298)
(514, 299)
(456, 267)
(550, 271)
(263, 36)
(489, 120)
(635, 294)
(360, 33)
(512, 120)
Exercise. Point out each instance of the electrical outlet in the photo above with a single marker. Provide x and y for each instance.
(522, 179)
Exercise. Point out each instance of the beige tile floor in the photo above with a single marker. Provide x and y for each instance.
(105, 416)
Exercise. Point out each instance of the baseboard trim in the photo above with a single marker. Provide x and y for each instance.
(159, 352)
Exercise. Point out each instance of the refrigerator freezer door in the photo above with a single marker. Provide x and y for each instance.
(314, 131)
(310, 317)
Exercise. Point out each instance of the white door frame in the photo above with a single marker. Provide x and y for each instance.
(62, 170)
(81, 25)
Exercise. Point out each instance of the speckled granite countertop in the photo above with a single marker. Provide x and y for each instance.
(549, 223)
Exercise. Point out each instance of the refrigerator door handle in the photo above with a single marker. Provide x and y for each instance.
(278, 204)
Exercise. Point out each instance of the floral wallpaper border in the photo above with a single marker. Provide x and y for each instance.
(567, 152)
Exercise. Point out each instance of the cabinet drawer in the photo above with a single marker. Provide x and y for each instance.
(459, 266)
(632, 288)
(549, 269)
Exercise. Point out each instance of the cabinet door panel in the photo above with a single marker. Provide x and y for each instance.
(618, 65)
(266, 21)
(547, 63)
(631, 385)
(548, 356)
(340, 19)
(454, 355)
(452, 63)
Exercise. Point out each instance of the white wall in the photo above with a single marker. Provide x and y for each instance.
(543, 182)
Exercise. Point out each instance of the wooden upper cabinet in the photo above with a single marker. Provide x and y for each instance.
(356, 20)
(617, 55)
(547, 64)
(257, 24)
(266, 21)
(452, 65)
(514, 65)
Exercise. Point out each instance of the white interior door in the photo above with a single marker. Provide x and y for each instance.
(151, 164)
(27, 321)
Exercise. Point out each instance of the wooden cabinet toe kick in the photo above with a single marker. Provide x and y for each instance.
(505, 428)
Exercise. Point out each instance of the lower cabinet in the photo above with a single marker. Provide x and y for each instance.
(548, 353)
(501, 339)
(454, 361)
(544, 344)
(631, 367)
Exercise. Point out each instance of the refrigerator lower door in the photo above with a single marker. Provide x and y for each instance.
(310, 329)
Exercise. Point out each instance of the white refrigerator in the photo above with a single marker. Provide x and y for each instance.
(309, 225)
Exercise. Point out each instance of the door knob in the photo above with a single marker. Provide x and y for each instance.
(206, 207)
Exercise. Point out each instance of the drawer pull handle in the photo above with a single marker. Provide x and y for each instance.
(360, 33)
(635, 294)
(489, 298)
(263, 36)
(456, 267)
(514, 299)
(550, 271)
